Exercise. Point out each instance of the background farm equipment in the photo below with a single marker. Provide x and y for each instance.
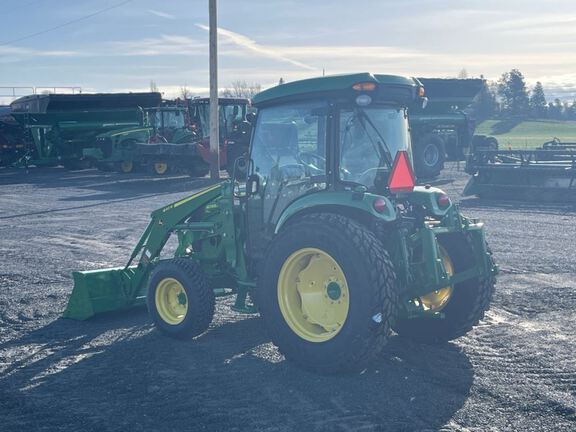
(12, 146)
(120, 149)
(544, 174)
(328, 238)
(59, 127)
(175, 139)
(445, 127)
(234, 128)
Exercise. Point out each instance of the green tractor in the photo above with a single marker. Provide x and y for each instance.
(329, 238)
(118, 150)
(175, 138)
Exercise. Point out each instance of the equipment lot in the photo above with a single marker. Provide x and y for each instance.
(516, 371)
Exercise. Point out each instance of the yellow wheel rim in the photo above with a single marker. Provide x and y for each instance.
(437, 300)
(160, 167)
(127, 166)
(313, 295)
(171, 301)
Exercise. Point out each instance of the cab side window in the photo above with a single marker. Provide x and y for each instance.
(290, 142)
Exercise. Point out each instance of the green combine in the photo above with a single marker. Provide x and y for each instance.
(329, 238)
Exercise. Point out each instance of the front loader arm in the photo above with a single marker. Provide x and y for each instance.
(99, 291)
(167, 219)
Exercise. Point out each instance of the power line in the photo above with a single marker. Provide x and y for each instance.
(85, 17)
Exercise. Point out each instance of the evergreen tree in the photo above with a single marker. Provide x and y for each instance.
(486, 107)
(555, 109)
(538, 105)
(512, 90)
(572, 111)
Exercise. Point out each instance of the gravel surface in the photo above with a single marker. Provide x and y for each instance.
(515, 371)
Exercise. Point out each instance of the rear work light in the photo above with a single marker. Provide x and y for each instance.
(443, 201)
(364, 86)
(379, 205)
(402, 176)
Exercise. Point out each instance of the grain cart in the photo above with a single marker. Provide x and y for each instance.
(445, 127)
(329, 239)
(544, 174)
(61, 126)
(12, 145)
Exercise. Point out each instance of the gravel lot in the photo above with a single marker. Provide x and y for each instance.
(516, 371)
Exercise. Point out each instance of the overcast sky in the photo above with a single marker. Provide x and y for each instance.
(166, 41)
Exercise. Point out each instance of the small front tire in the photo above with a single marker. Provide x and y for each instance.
(180, 301)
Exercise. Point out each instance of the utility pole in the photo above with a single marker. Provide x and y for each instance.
(214, 121)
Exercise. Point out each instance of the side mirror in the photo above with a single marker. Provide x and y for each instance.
(240, 168)
(253, 184)
(250, 117)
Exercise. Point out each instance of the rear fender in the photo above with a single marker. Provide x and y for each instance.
(341, 202)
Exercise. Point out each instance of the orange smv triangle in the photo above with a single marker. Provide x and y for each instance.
(402, 177)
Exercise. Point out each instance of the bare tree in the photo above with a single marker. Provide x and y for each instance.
(185, 92)
(463, 74)
(153, 86)
(241, 89)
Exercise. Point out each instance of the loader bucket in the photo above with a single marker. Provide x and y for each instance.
(99, 291)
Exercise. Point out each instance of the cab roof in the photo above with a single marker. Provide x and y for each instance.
(333, 84)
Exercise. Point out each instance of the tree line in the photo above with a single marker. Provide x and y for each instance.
(510, 97)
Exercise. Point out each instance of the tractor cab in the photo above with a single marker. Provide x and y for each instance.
(344, 137)
(168, 122)
(231, 113)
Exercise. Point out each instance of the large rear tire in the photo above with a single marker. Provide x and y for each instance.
(466, 306)
(429, 156)
(327, 293)
(180, 301)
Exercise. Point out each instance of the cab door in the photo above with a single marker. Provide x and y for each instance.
(288, 160)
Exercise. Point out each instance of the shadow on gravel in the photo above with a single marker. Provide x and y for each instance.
(109, 188)
(119, 374)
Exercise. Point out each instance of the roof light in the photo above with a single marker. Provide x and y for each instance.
(402, 177)
(363, 100)
(364, 86)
